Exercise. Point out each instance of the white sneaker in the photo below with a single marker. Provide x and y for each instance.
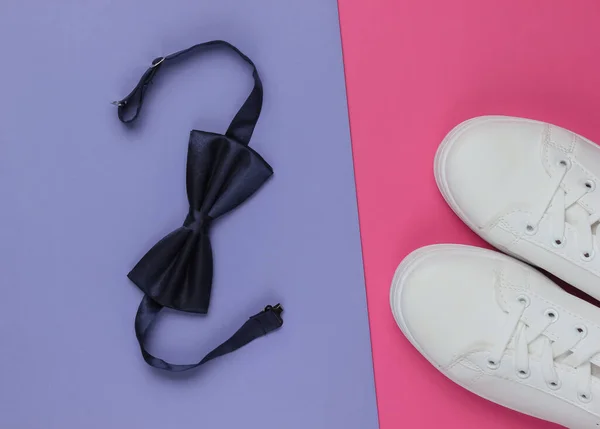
(502, 330)
(528, 188)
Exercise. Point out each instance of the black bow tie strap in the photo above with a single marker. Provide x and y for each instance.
(222, 172)
(256, 326)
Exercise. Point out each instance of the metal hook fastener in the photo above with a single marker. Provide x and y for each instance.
(277, 309)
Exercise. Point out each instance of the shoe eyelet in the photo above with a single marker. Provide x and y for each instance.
(523, 299)
(530, 229)
(581, 330)
(551, 314)
(554, 385)
(558, 242)
(492, 364)
(523, 373)
(584, 397)
(564, 163)
(590, 185)
(587, 256)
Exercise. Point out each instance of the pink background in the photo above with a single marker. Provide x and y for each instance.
(414, 69)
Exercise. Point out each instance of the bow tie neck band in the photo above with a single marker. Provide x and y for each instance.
(222, 172)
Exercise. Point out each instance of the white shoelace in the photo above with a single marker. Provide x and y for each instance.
(556, 203)
(523, 335)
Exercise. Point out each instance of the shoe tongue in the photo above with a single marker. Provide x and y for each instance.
(535, 347)
(579, 217)
(577, 214)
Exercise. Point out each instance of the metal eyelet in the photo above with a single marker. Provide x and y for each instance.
(554, 385)
(559, 242)
(584, 397)
(587, 256)
(492, 364)
(523, 373)
(530, 229)
(564, 163)
(523, 299)
(581, 330)
(590, 185)
(551, 314)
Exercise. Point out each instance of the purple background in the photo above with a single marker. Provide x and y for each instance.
(82, 198)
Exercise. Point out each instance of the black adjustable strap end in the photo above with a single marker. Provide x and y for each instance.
(134, 100)
(123, 109)
(270, 318)
(276, 309)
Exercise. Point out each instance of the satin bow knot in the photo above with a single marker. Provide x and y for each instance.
(196, 221)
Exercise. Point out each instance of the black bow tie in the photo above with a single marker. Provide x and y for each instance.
(222, 172)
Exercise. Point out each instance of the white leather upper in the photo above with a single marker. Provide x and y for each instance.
(452, 302)
(495, 172)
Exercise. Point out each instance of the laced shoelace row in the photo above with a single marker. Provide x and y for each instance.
(555, 204)
(571, 351)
